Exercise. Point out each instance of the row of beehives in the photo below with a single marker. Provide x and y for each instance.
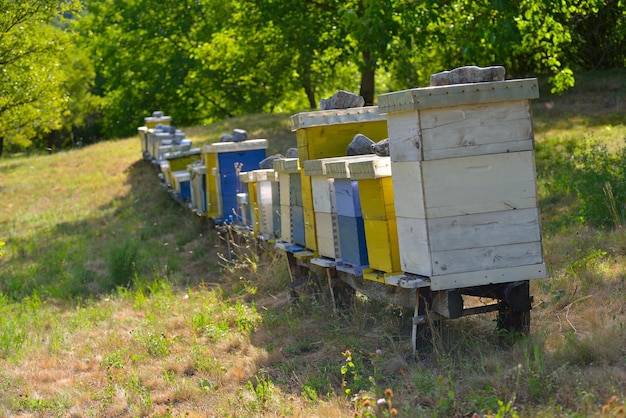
(454, 204)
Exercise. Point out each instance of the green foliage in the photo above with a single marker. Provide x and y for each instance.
(122, 262)
(37, 89)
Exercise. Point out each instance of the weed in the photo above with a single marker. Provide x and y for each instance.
(122, 263)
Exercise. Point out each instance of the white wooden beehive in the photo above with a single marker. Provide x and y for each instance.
(464, 176)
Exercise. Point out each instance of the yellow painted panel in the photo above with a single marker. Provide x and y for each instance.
(310, 236)
(332, 140)
(376, 197)
(212, 198)
(307, 191)
(382, 245)
(254, 207)
(178, 164)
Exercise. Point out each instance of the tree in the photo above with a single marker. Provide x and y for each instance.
(31, 96)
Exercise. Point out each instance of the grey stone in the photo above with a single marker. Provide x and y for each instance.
(226, 138)
(178, 137)
(157, 114)
(468, 74)
(269, 161)
(381, 148)
(360, 145)
(292, 153)
(342, 100)
(240, 135)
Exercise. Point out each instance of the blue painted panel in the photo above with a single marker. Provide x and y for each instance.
(347, 198)
(352, 240)
(229, 179)
(185, 190)
(295, 190)
(297, 225)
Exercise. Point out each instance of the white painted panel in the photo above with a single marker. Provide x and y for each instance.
(478, 278)
(413, 244)
(485, 183)
(404, 136)
(285, 222)
(407, 186)
(325, 234)
(283, 181)
(475, 130)
(484, 229)
(486, 258)
(321, 186)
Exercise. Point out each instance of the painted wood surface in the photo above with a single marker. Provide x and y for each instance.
(347, 198)
(322, 190)
(377, 198)
(327, 235)
(466, 185)
(352, 240)
(382, 245)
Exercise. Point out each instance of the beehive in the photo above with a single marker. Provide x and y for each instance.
(181, 185)
(180, 160)
(291, 214)
(151, 122)
(463, 171)
(377, 206)
(197, 172)
(325, 134)
(248, 182)
(268, 200)
(224, 162)
(350, 228)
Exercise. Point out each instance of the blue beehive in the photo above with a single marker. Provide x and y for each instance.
(233, 158)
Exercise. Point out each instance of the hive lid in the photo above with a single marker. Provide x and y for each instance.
(266, 174)
(341, 169)
(287, 165)
(373, 168)
(246, 177)
(335, 117)
(181, 153)
(248, 145)
(458, 94)
(318, 167)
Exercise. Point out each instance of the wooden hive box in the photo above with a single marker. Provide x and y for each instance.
(325, 134)
(288, 170)
(268, 202)
(224, 161)
(377, 206)
(182, 187)
(197, 173)
(180, 160)
(248, 182)
(350, 225)
(464, 175)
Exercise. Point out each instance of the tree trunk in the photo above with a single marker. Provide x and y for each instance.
(367, 79)
(308, 90)
(1, 145)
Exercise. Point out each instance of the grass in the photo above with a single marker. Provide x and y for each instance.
(114, 301)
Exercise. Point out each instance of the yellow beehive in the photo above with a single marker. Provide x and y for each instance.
(327, 133)
(180, 160)
(212, 185)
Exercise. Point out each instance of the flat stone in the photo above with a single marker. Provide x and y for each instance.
(240, 135)
(269, 161)
(226, 138)
(360, 145)
(468, 74)
(381, 148)
(342, 100)
(292, 153)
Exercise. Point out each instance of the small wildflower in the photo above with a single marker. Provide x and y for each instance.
(366, 402)
(388, 393)
(393, 412)
(379, 352)
(381, 401)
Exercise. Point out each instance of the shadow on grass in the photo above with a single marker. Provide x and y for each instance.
(143, 233)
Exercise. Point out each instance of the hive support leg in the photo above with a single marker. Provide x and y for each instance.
(514, 316)
(331, 273)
